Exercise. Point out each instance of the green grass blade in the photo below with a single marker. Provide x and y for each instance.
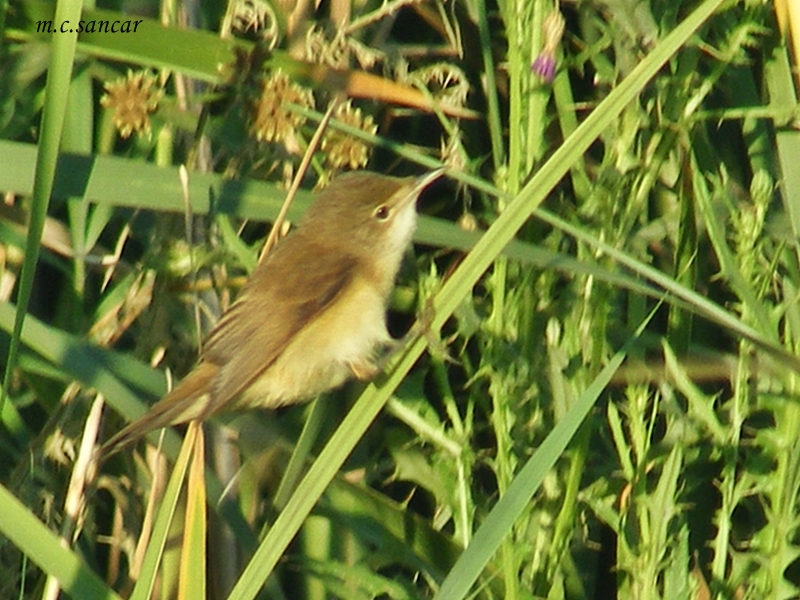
(195, 53)
(157, 188)
(147, 186)
(490, 87)
(166, 512)
(62, 56)
(454, 290)
(501, 519)
(192, 580)
(693, 300)
(43, 546)
(787, 139)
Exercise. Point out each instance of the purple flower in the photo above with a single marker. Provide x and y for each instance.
(552, 28)
(545, 66)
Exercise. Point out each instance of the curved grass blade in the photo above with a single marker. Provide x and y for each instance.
(206, 56)
(44, 548)
(62, 57)
(158, 188)
(453, 291)
(192, 580)
(166, 512)
(501, 519)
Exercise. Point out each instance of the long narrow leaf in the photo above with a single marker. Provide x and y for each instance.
(62, 55)
(31, 536)
(192, 580)
(504, 514)
(452, 293)
(166, 512)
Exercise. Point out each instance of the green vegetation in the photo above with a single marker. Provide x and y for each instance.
(605, 402)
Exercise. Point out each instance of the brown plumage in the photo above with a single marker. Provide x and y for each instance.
(312, 314)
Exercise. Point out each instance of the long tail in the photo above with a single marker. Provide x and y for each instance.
(186, 402)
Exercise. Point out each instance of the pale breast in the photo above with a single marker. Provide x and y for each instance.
(318, 358)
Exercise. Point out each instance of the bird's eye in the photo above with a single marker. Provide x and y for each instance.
(382, 212)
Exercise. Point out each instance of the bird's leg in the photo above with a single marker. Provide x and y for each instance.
(365, 369)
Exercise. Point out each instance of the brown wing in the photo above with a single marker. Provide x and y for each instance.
(183, 403)
(280, 298)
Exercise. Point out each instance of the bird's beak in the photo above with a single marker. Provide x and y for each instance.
(421, 182)
(412, 187)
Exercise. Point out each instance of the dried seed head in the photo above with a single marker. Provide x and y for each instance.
(447, 83)
(272, 121)
(343, 150)
(132, 99)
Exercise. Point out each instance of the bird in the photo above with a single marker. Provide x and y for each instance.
(313, 313)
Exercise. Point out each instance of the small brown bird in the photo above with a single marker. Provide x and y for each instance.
(312, 315)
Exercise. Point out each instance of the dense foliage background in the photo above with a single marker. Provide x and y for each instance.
(608, 404)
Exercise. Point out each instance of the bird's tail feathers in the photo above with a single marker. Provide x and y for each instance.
(182, 404)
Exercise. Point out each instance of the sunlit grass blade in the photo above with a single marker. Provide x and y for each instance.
(192, 580)
(693, 300)
(501, 519)
(452, 293)
(62, 55)
(209, 57)
(166, 512)
(109, 372)
(44, 548)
